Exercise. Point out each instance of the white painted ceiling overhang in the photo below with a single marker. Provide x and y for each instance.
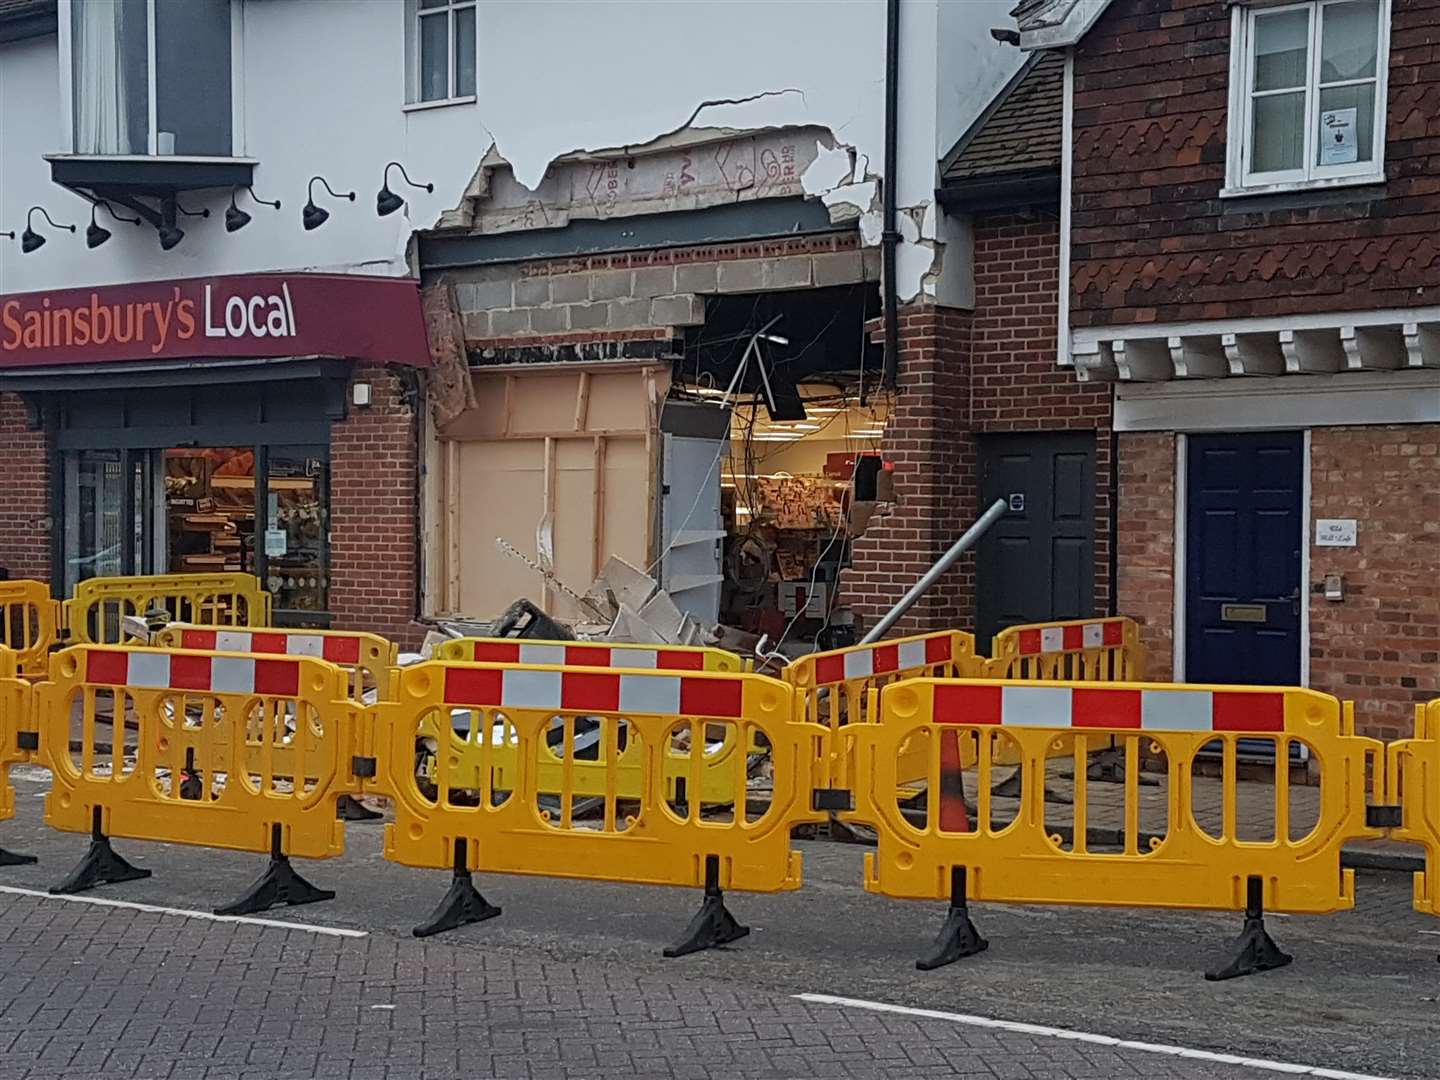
(1323, 344)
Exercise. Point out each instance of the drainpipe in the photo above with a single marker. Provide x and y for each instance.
(889, 237)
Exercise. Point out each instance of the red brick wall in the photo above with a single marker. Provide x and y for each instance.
(1015, 383)
(374, 513)
(1380, 646)
(1153, 241)
(933, 451)
(1145, 578)
(24, 510)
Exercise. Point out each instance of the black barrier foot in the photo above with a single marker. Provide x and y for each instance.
(462, 905)
(12, 858)
(100, 866)
(279, 884)
(351, 809)
(958, 938)
(1254, 950)
(713, 925)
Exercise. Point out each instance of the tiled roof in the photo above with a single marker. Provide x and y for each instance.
(1020, 131)
(1033, 14)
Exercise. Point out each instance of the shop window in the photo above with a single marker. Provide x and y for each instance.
(1308, 94)
(440, 39)
(151, 77)
(296, 540)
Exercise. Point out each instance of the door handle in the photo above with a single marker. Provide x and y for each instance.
(1295, 601)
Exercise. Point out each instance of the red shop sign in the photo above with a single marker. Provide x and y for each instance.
(254, 315)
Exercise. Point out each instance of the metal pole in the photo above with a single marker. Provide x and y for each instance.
(972, 534)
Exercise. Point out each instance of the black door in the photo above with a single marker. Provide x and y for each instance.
(1037, 563)
(1242, 558)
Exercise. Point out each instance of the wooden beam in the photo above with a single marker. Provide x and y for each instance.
(452, 526)
(582, 402)
(597, 552)
(509, 404)
(545, 590)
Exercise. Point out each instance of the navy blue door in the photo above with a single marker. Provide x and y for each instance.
(1242, 558)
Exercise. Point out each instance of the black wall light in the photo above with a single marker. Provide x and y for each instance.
(314, 216)
(170, 233)
(30, 240)
(97, 234)
(235, 218)
(387, 202)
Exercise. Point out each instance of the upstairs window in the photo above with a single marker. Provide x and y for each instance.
(151, 77)
(1308, 93)
(440, 37)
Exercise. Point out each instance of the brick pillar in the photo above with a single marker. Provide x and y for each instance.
(25, 511)
(374, 513)
(1145, 577)
(928, 439)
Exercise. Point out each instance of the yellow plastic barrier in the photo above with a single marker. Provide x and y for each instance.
(1024, 861)
(1414, 768)
(531, 828)
(369, 659)
(16, 742)
(1085, 650)
(197, 748)
(93, 615)
(589, 776)
(29, 624)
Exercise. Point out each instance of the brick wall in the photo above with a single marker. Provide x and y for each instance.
(1380, 646)
(1015, 383)
(1153, 241)
(1145, 538)
(24, 511)
(374, 513)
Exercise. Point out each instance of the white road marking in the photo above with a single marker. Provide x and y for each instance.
(1435, 932)
(210, 916)
(1085, 1036)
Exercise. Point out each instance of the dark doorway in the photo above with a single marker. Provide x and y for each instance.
(1243, 539)
(1037, 563)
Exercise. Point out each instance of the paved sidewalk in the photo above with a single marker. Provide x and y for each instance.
(119, 993)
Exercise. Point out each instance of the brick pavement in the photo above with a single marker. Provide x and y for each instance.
(119, 993)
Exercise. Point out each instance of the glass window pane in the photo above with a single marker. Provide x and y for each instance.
(1349, 41)
(110, 69)
(1282, 50)
(465, 52)
(434, 56)
(1278, 135)
(1347, 125)
(192, 77)
(432, 3)
(298, 527)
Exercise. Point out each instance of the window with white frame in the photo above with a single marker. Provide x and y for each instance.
(1308, 93)
(151, 77)
(440, 50)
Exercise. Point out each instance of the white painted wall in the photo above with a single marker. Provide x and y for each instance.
(324, 92)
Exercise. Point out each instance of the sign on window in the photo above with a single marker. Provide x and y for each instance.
(1337, 137)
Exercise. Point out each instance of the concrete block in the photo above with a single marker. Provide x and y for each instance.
(610, 284)
(570, 288)
(745, 276)
(532, 292)
(589, 316)
(477, 324)
(630, 312)
(838, 268)
(654, 281)
(550, 320)
(697, 277)
(792, 272)
(677, 311)
(483, 295)
(509, 321)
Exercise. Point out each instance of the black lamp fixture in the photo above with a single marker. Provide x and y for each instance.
(97, 234)
(387, 202)
(235, 218)
(171, 234)
(314, 216)
(9, 234)
(30, 240)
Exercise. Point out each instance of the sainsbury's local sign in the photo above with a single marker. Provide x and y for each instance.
(375, 319)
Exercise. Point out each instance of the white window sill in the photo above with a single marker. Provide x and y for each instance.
(1288, 186)
(422, 106)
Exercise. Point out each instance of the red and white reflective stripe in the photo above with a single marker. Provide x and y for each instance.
(558, 654)
(337, 648)
(1072, 637)
(882, 658)
(524, 688)
(157, 670)
(1098, 707)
